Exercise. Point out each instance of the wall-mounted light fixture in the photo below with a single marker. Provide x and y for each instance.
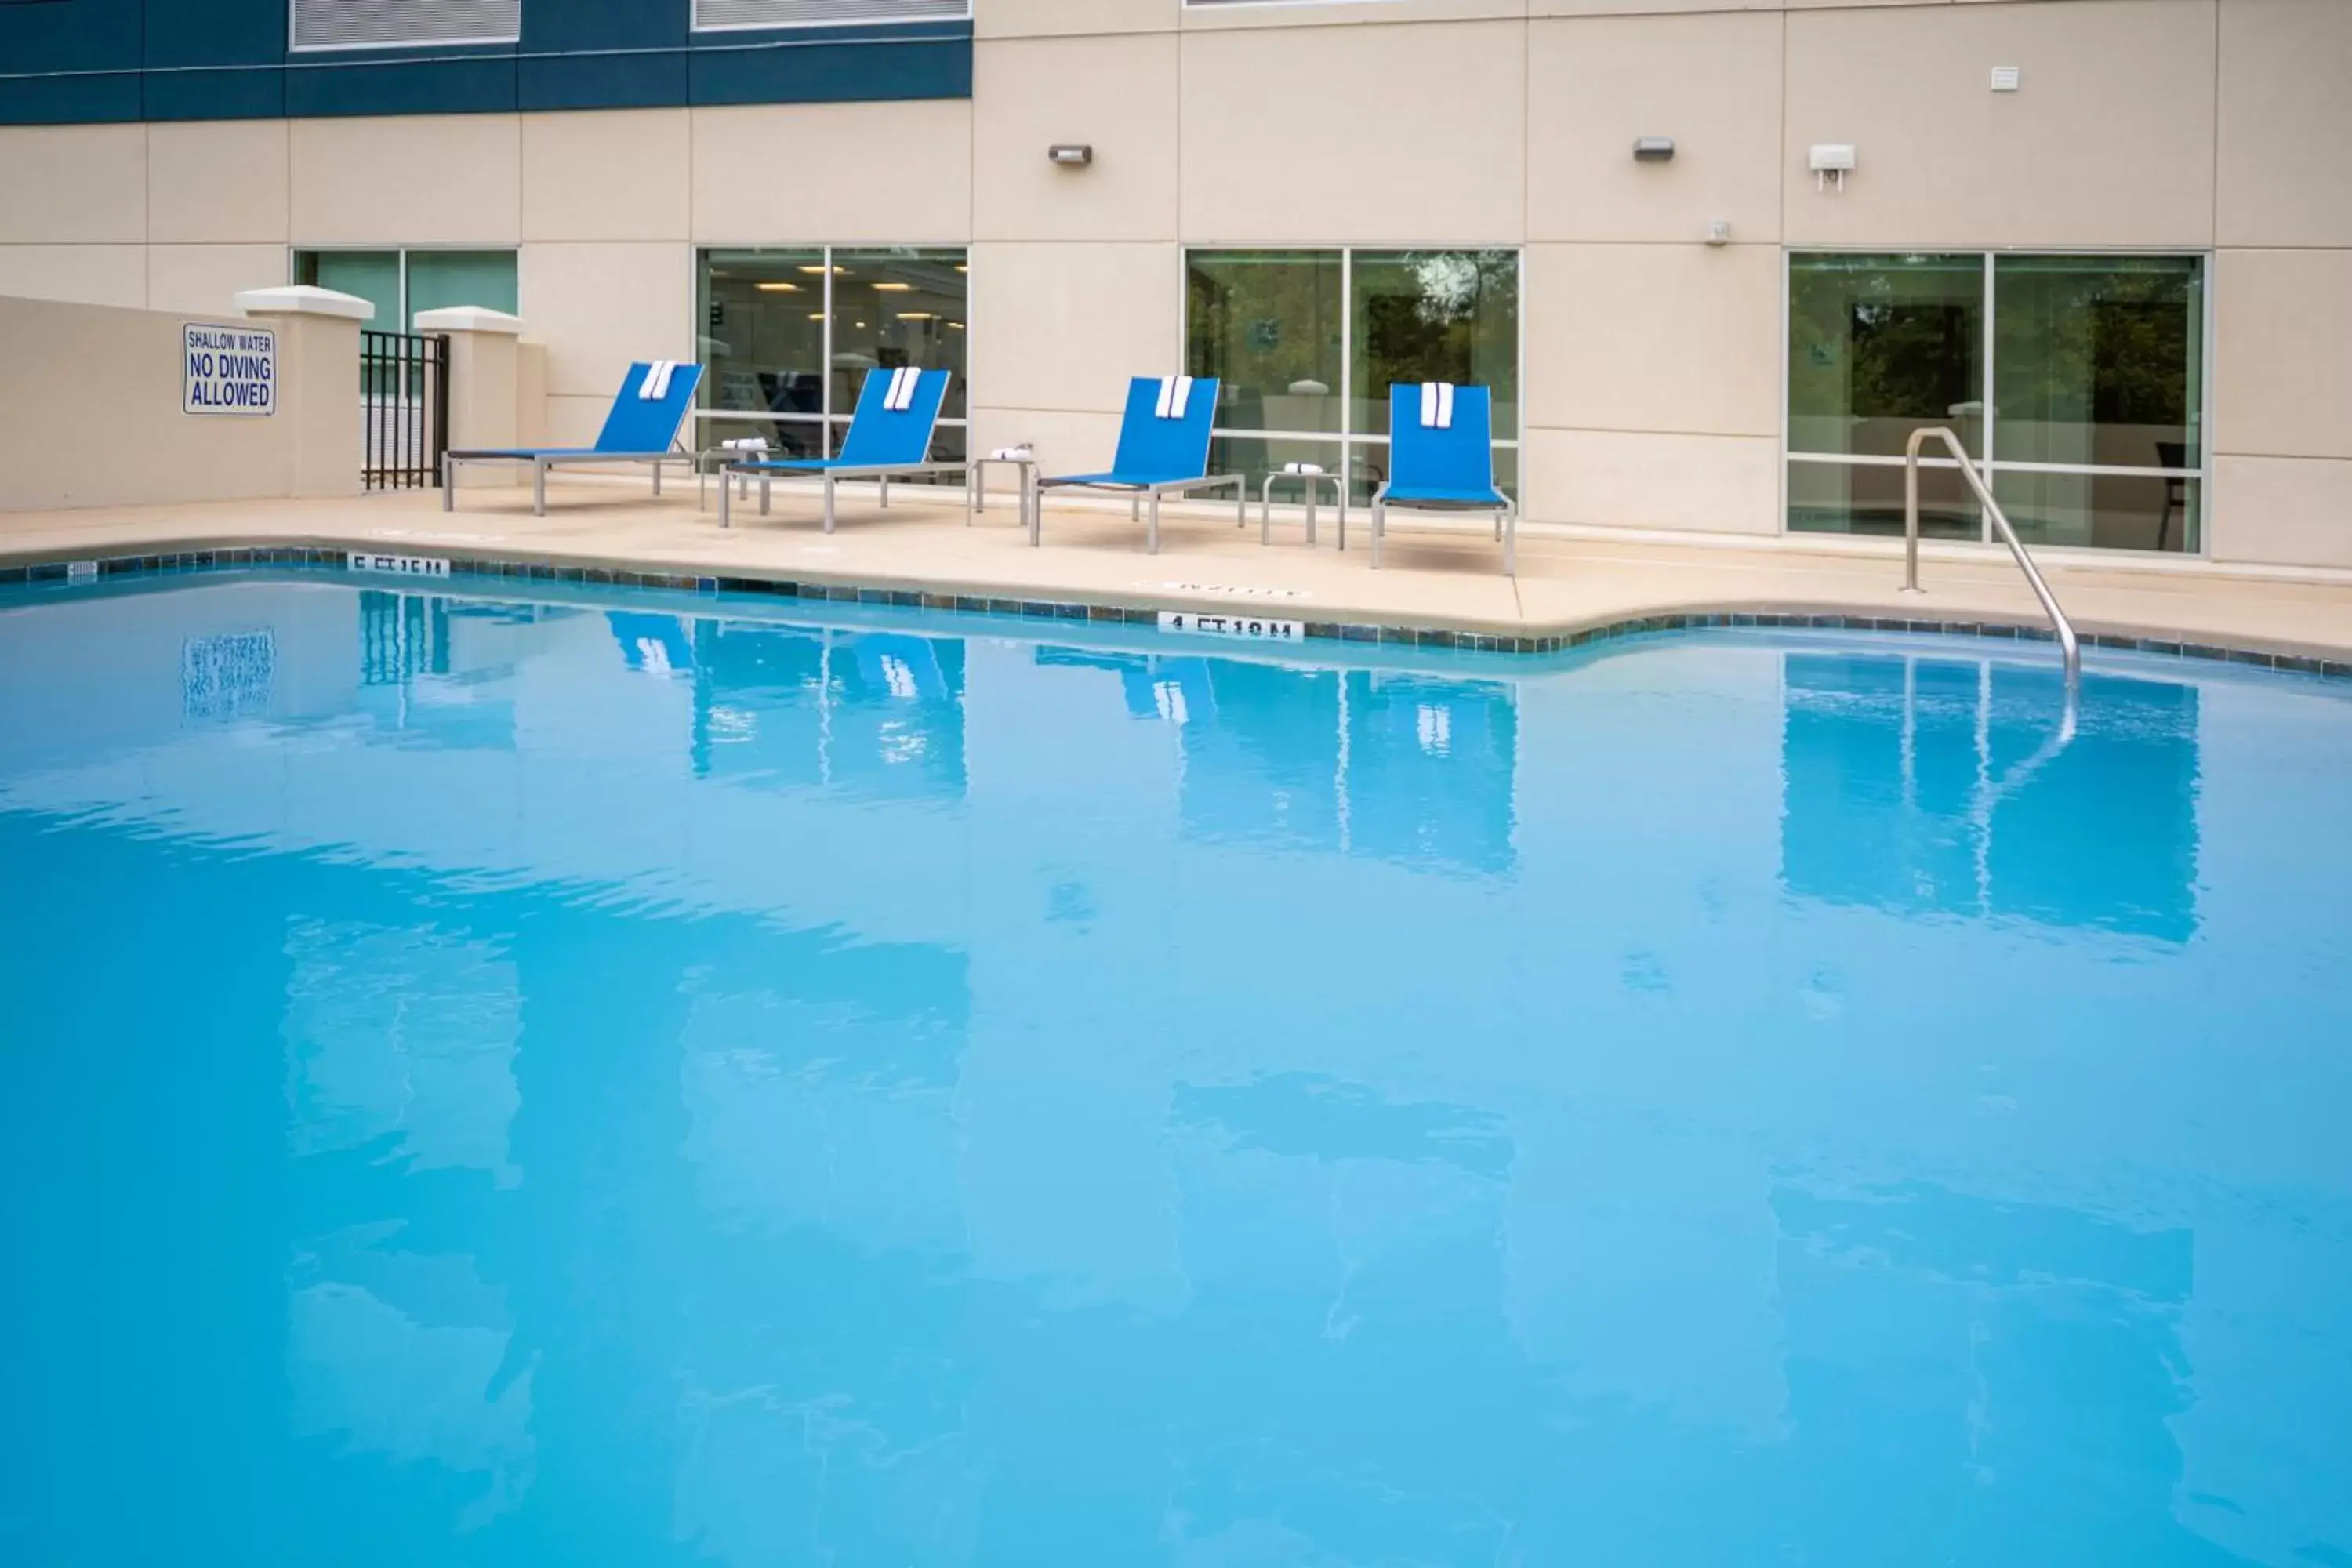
(1071, 154)
(1831, 162)
(1654, 149)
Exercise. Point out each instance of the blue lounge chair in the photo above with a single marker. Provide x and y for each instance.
(1164, 449)
(889, 434)
(1442, 458)
(642, 427)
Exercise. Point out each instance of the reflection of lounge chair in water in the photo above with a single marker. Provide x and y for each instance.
(1430, 768)
(900, 665)
(657, 643)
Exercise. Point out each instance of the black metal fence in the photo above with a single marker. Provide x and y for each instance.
(404, 409)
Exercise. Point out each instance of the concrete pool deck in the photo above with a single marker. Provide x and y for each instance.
(1448, 581)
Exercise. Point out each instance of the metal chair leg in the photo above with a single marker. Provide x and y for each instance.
(765, 486)
(1380, 518)
(657, 469)
(448, 482)
(828, 503)
(1265, 511)
(885, 492)
(1511, 543)
(726, 493)
(537, 488)
(1154, 539)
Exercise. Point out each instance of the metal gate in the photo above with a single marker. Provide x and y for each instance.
(404, 409)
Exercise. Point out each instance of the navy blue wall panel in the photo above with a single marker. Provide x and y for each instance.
(71, 35)
(832, 73)
(75, 100)
(457, 84)
(216, 92)
(214, 33)
(553, 26)
(78, 60)
(651, 78)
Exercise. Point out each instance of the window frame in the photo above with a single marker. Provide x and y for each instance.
(1349, 440)
(1988, 466)
(830, 423)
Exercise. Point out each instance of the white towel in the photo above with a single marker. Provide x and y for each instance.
(901, 394)
(1437, 405)
(746, 443)
(1011, 455)
(656, 386)
(1175, 393)
(1302, 467)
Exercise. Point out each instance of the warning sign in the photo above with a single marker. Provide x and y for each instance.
(228, 370)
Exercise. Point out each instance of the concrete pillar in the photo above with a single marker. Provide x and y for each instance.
(317, 387)
(485, 387)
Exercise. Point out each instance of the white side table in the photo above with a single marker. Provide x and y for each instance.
(712, 459)
(976, 483)
(1308, 481)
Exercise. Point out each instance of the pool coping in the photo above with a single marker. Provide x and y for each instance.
(53, 568)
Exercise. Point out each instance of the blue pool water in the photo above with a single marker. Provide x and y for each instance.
(658, 1081)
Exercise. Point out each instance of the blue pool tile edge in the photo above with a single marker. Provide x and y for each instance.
(336, 558)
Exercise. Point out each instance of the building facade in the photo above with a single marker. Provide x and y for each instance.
(2108, 243)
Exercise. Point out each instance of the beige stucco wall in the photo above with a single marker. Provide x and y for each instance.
(91, 395)
(1653, 370)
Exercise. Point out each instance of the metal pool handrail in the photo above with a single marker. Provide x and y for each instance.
(2069, 650)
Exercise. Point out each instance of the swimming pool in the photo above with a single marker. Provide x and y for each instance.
(650, 1079)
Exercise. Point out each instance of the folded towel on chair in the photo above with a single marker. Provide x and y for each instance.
(746, 443)
(1175, 392)
(656, 385)
(1013, 455)
(1302, 467)
(901, 396)
(1437, 405)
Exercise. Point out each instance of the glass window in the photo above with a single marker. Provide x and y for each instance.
(1867, 497)
(1879, 345)
(762, 314)
(371, 275)
(1305, 345)
(440, 278)
(2086, 415)
(2097, 360)
(896, 307)
(1268, 325)
(788, 334)
(401, 284)
(2108, 510)
(1436, 315)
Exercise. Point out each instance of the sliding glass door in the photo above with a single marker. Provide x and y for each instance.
(2076, 383)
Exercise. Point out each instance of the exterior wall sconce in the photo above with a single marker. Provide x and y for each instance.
(1654, 149)
(1071, 154)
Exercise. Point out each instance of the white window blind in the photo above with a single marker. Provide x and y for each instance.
(716, 14)
(386, 24)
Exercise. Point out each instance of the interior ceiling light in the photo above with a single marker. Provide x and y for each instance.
(894, 287)
(916, 316)
(777, 288)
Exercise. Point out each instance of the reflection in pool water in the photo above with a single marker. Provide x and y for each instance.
(655, 1080)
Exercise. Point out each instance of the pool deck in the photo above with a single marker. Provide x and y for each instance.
(1447, 581)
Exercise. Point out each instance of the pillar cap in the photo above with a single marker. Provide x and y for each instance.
(304, 299)
(470, 319)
